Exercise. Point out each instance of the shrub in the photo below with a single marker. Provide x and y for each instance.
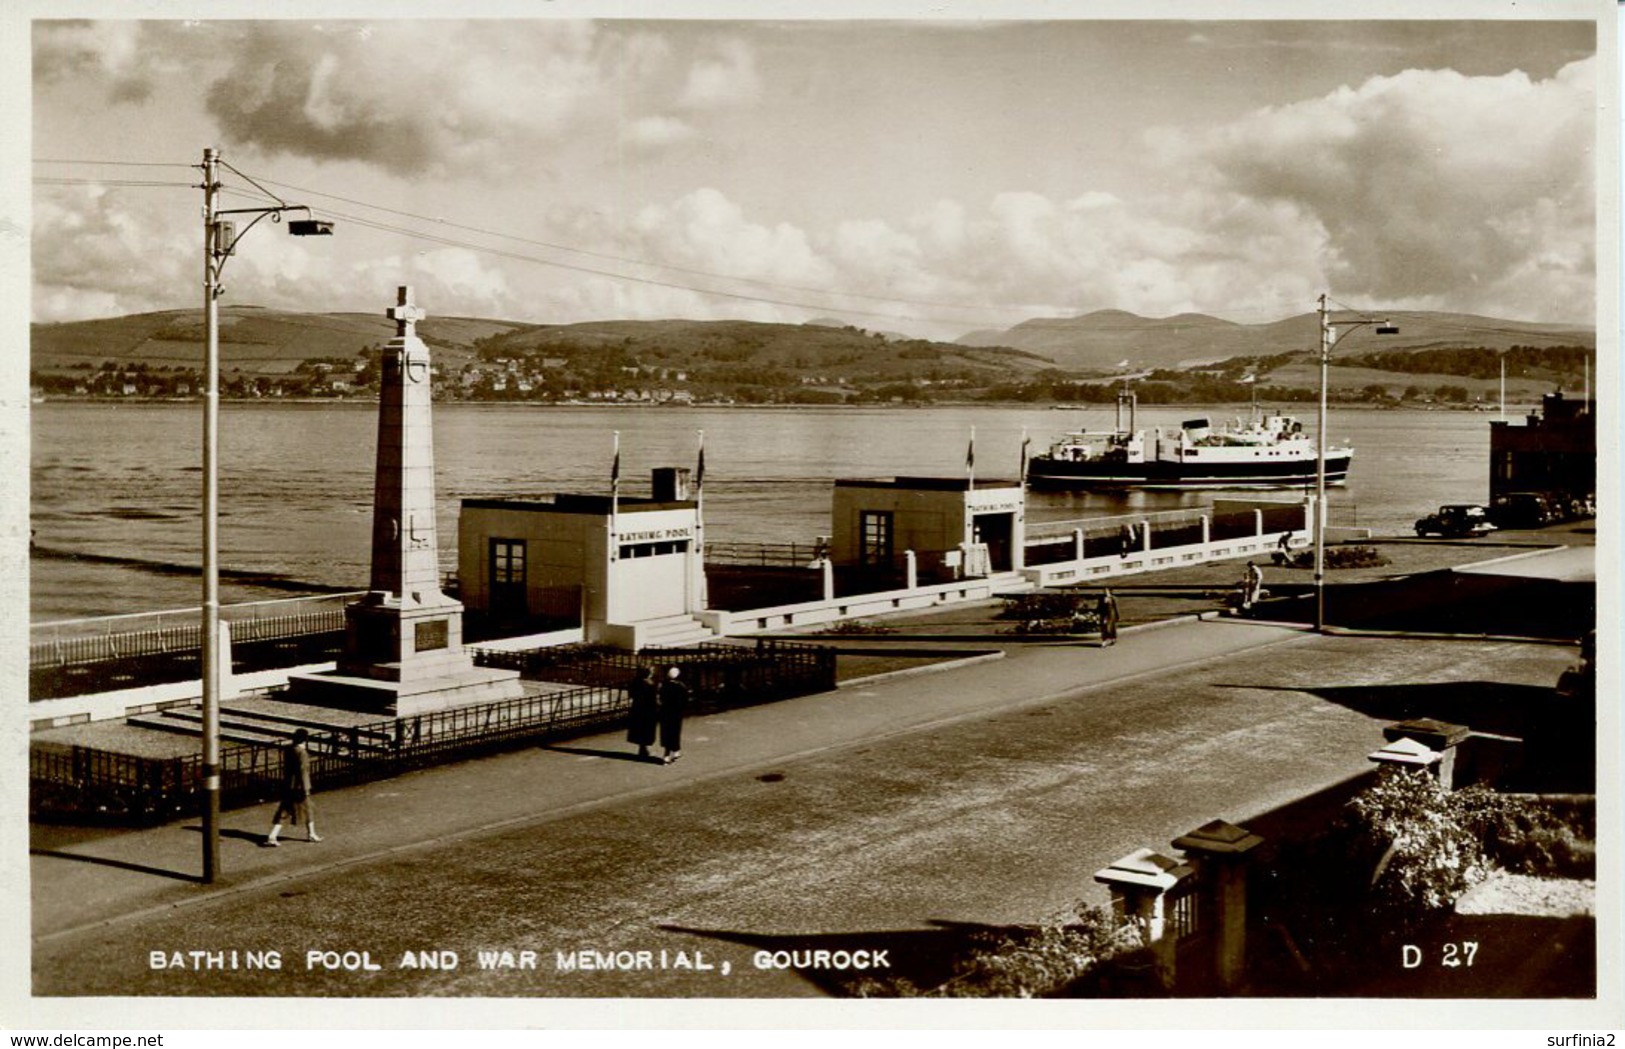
(859, 626)
(1531, 835)
(1424, 838)
(1052, 612)
(1336, 557)
(1025, 963)
(1354, 557)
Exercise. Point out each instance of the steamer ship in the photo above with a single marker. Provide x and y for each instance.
(1267, 451)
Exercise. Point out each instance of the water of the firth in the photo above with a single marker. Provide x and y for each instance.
(121, 482)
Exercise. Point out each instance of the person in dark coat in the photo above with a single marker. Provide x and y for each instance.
(1106, 612)
(295, 805)
(644, 716)
(673, 705)
(1128, 539)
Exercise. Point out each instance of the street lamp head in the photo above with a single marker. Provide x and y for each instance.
(310, 228)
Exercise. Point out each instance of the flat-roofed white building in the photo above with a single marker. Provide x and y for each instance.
(951, 524)
(631, 569)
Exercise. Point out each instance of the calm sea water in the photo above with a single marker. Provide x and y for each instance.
(116, 487)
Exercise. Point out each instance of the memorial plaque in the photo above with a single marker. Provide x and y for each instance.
(431, 634)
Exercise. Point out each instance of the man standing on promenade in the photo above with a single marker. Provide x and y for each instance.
(645, 713)
(1106, 613)
(295, 805)
(673, 705)
(1252, 586)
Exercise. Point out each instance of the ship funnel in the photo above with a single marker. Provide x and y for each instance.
(1195, 429)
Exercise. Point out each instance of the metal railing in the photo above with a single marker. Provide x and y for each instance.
(90, 782)
(719, 675)
(74, 641)
(1045, 529)
(1123, 534)
(776, 555)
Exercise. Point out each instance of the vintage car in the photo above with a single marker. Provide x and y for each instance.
(1525, 510)
(1456, 521)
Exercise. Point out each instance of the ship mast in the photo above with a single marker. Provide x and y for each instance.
(1125, 396)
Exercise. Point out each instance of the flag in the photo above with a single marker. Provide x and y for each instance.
(615, 467)
(1249, 378)
(1025, 441)
(970, 452)
(699, 467)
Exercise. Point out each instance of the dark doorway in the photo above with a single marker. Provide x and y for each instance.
(996, 531)
(876, 537)
(507, 575)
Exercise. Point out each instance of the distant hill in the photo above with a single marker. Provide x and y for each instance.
(801, 350)
(1102, 339)
(251, 338)
(816, 362)
(257, 340)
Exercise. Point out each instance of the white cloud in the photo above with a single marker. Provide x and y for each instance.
(1428, 186)
(704, 230)
(651, 134)
(375, 93)
(111, 52)
(446, 281)
(725, 77)
(95, 255)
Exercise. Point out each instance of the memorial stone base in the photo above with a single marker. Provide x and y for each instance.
(402, 659)
(405, 698)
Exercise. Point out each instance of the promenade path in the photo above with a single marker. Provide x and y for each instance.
(894, 815)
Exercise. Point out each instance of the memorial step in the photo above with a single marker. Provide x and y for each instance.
(163, 722)
(674, 632)
(280, 728)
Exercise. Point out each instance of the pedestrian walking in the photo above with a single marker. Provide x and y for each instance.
(673, 705)
(295, 805)
(644, 716)
(1106, 612)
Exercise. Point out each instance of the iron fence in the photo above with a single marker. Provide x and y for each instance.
(1050, 529)
(718, 675)
(777, 555)
(77, 641)
(88, 782)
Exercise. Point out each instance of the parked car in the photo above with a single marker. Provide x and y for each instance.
(1456, 520)
(1524, 510)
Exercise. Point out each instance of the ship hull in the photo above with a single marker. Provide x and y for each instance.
(1045, 472)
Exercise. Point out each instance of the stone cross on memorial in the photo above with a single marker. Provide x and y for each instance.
(405, 313)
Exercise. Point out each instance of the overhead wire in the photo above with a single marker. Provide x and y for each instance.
(929, 303)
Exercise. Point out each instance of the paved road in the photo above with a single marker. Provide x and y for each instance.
(892, 818)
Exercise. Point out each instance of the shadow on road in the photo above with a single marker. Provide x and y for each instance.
(103, 861)
(231, 832)
(1486, 706)
(590, 752)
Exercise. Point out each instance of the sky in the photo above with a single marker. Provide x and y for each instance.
(922, 176)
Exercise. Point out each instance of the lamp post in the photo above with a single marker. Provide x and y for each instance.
(220, 239)
(1329, 338)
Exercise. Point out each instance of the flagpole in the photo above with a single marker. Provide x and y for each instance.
(615, 483)
(699, 522)
(699, 475)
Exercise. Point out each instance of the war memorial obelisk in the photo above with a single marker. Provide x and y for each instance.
(403, 641)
